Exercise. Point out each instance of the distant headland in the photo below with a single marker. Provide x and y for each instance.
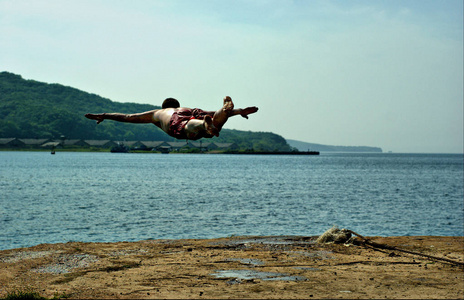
(304, 146)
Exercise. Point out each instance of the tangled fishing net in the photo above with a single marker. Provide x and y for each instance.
(334, 235)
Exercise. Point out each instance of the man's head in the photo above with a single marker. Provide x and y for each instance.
(170, 103)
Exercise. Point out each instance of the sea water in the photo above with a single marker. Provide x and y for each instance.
(108, 197)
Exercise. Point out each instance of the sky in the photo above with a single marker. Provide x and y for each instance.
(385, 74)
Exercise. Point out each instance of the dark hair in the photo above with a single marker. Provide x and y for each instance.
(170, 103)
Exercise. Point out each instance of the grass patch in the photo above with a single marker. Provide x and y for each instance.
(30, 294)
(23, 295)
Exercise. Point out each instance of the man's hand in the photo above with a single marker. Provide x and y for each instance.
(249, 110)
(98, 117)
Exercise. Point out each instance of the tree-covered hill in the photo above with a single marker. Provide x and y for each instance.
(32, 109)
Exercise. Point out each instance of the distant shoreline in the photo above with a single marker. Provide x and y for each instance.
(96, 150)
(276, 153)
(313, 153)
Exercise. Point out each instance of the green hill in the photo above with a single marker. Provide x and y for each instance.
(32, 109)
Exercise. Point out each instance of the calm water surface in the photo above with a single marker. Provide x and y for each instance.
(107, 197)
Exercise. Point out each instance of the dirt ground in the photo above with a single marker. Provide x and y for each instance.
(237, 267)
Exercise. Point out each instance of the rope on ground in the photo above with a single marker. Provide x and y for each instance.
(383, 246)
(341, 236)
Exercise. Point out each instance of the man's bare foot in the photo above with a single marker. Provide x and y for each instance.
(210, 127)
(228, 104)
(97, 117)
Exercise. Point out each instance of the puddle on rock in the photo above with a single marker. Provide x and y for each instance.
(251, 274)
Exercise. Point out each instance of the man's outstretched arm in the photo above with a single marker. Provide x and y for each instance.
(145, 117)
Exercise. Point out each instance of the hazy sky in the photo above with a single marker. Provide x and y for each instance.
(361, 73)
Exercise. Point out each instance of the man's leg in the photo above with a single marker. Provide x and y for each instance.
(222, 115)
(145, 117)
(195, 126)
(211, 124)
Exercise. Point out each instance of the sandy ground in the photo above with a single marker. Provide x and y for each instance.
(237, 267)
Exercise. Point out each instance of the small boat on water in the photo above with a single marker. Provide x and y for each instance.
(120, 148)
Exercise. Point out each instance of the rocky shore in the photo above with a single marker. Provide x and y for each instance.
(238, 267)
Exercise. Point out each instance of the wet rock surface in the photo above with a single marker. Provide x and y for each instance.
(67, 263)
(237, 267)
